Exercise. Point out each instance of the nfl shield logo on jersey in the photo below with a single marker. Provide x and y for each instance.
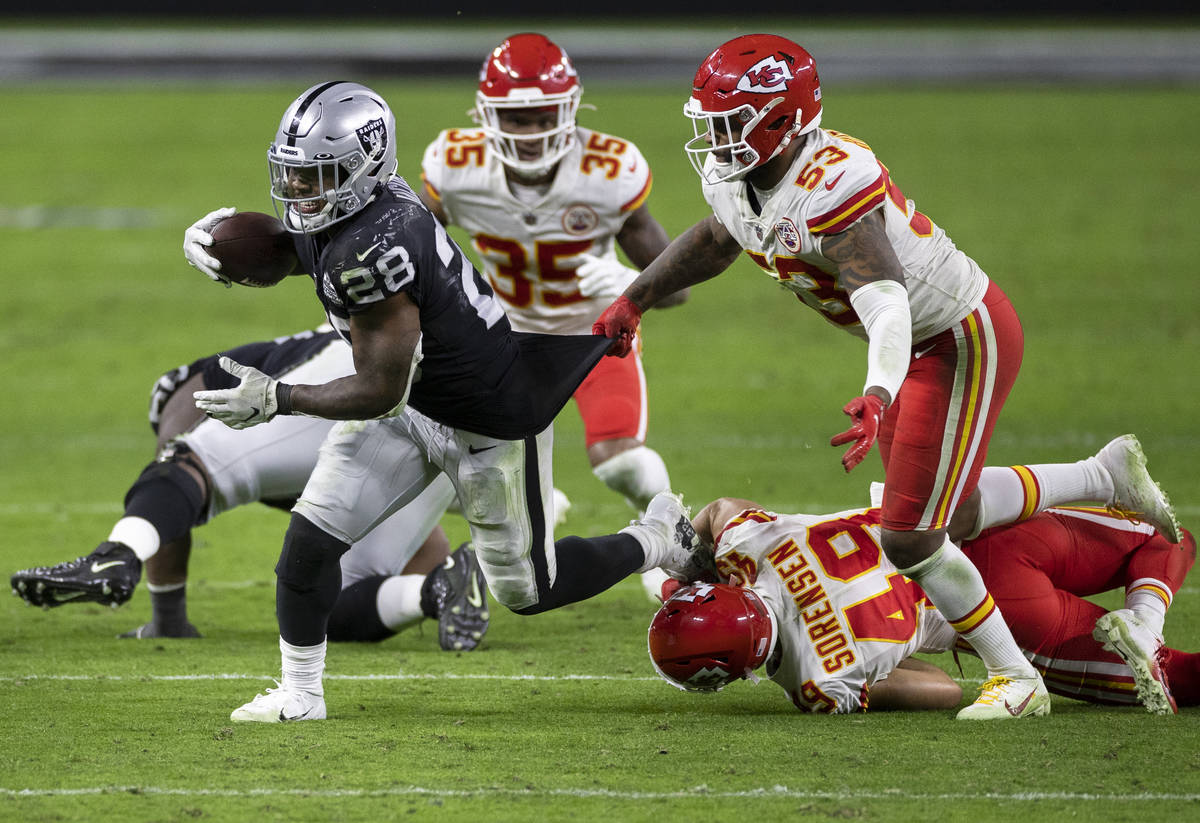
(786, 231)
(329, 290)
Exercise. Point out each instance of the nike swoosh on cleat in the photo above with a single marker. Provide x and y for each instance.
(1020, 707)
(99, 567)
(65, 596)
(474, 597)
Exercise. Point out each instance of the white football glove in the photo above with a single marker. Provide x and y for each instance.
(603, 276)
(198, 238)
(251, 402)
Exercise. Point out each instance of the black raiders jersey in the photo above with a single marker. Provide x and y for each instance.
(473, 375)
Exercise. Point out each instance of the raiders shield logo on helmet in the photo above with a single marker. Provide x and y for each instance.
(373, 137)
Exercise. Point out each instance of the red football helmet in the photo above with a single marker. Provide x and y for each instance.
(750, 98)
(710, 634)
(528, 71)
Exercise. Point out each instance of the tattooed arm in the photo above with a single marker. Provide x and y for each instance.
(700, 253)
(870, 272)
(863, 254)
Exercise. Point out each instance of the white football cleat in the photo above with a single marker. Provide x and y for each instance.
(1135, 494)
(666, 534)
(281, 706)
(1124, 633)
(1009, 698)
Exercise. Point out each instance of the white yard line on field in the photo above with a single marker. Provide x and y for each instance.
(397, 676)
(694, 792)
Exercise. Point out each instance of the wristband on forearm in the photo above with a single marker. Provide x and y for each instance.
(283, 398)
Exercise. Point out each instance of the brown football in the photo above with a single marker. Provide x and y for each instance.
(254, 249)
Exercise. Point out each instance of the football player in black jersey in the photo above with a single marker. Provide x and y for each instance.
(441, 383)
(391, 579)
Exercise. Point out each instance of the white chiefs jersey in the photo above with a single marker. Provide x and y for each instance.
(529, 252)
(845, 616)
(834, 182)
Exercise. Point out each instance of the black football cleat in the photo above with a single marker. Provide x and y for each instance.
(108, 575)
(455, 593)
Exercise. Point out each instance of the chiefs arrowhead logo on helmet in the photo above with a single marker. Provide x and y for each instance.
(767, 76)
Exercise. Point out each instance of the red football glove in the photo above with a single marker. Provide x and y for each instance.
(867, 414)
(619, 323)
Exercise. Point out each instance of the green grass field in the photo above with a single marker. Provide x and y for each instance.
(1080, 203)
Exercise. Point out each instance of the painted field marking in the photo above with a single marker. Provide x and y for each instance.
(695, 792)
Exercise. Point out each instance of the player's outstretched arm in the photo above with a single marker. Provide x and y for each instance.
(698, 254)
(643, 238)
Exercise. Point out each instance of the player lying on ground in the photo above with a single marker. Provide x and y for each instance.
(823, 217)
(815, 599)
(392, 578)
(546, 203)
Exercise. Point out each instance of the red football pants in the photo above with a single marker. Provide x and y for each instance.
(1040, 570)
(935, 435)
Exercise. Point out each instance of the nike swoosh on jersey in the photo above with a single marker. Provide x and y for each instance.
(474, 450)
(363, 256)
(829, 186)
(99, 567)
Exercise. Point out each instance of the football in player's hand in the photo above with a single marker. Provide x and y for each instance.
(254, 249)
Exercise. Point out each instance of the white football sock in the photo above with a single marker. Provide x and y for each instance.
(303, 667)
(638, 474)
(1149, 599)
(956, 588)
(399, 601)
(1014, 493)
(138, 534)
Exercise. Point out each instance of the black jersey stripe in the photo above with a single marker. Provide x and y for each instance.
(303, 108)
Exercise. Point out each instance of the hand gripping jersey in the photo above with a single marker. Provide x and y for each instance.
(528, 252)
(845, 616)
(833, 182)
(476, 374)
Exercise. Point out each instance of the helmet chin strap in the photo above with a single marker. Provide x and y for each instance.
(527, 175)
(307, 224)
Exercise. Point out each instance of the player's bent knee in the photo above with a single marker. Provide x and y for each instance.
(310, 557)
(907, 549)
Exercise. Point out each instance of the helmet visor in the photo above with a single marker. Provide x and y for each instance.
(306, 193)
(529, 135)
(718, 151)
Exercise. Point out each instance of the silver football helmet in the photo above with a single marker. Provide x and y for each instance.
(335, 145)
